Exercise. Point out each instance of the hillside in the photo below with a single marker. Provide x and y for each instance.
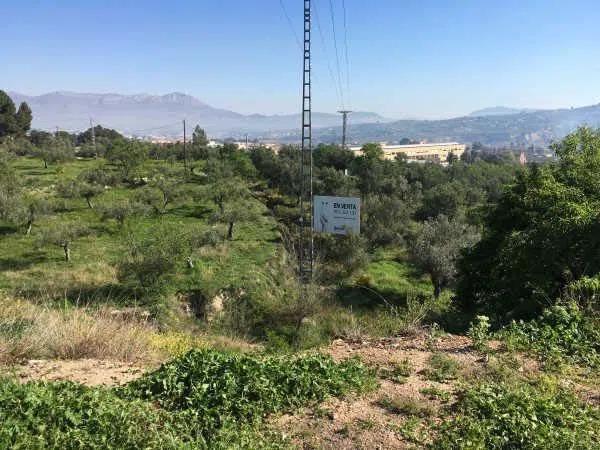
(160, 115)
(538, 128)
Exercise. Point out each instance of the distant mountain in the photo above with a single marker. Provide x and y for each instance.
(161, 115)
(525, 128)
(499, 111)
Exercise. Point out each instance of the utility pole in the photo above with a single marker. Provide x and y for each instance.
(306, 246)
(93, 137)
(247, 149)
(344, 114)
(185, 163)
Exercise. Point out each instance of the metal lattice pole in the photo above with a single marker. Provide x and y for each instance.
(344, 114)
(306, 247)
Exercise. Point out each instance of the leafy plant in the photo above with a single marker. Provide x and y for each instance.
(561, 333)
(220, 388)
(538, 415)
(479, 332)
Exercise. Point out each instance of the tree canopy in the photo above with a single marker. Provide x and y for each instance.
(543, 234)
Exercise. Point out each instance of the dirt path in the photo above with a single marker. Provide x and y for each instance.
(90, 372)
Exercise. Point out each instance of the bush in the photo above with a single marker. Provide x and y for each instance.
(221, 388)
(541, 415)
(562, 333)
(71, 416)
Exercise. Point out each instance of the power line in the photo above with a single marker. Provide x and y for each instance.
(290, 23)
(325, 50)
(347, 53)
(337, 53)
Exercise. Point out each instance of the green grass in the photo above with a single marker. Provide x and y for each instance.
(40, 272)
(388, 277)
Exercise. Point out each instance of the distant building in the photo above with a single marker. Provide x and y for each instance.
(437, 153)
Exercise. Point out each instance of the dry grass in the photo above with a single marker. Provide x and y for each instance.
(29, 331)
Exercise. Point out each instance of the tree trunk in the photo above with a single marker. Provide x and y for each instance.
(437, 289)
(67, 252)
(230, 231)
(89, 202)
(29, 226)
(45, 164)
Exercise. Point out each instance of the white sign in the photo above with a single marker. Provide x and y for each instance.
(336, 215)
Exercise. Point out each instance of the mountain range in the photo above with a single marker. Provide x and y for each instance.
(162, 115)
(147, 115)
(524, 128)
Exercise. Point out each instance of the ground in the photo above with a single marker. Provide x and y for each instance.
(396, 415)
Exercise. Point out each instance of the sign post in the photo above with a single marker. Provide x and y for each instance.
(336, 215)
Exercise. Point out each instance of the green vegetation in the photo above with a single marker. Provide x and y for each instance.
(131, 251)
(541, 236)
(442, 368)
(563, 333)
(206, 398)
(523, 415)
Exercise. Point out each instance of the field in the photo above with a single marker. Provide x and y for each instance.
(192, 327)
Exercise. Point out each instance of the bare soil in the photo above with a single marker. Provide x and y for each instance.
(366, 423)
(90, 372)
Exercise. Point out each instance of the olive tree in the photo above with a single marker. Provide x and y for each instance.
(62, 234)
(437, 246)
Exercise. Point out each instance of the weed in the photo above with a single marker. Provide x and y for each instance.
(561, 334)
(433, 392)
(399, 373)
(221, 388)
(442, 368)
(365, 424)
(536, 415)
(479, 332)
(408, 406)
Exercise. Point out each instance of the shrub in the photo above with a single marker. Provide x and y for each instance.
(541, 415)
(561, 333)
(220, 388)
(71, 416)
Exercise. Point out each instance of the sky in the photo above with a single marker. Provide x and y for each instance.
(406, 58)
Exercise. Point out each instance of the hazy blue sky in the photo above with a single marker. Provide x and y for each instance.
(420, 58)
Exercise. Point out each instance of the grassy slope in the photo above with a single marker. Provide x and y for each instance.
(26, 268)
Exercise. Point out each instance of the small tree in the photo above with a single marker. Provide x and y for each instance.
(122, 210)
(10, 188)
(55, 151)
(80, 189)
(129, 156)
(199, 137)
(235, 212)
(437, 246)
(63, 235)
(24, 117)
(152, 259)
(31, 208)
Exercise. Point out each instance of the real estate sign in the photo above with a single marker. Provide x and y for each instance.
(336, 215)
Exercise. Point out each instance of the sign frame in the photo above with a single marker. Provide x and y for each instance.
(336, 215)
